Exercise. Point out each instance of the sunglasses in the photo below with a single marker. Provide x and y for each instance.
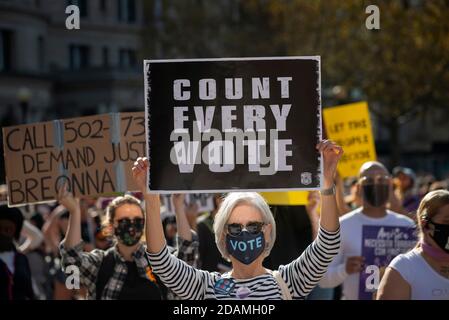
(138, 222)
(253, 227)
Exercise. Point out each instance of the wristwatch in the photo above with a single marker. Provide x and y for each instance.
(328, 192)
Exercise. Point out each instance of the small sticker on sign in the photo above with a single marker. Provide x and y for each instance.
(306, 178)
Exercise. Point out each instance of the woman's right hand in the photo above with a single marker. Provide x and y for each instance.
(65, 197)
(140, 169)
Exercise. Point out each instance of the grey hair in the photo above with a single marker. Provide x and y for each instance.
(231, 201)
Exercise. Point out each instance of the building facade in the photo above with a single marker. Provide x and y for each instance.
(48, 71)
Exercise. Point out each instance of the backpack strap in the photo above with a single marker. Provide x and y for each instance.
(105, 272)
(286, 295)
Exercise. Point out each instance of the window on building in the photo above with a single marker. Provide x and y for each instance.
(105, 54)
(79, 57)
(103, 6)
(127, 58)
(41, 53)
(5, 50)
(126, 11)
(82, 5)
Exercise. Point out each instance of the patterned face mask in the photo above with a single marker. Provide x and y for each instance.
(129, 231)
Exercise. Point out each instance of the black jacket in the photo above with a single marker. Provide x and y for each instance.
(17, 286)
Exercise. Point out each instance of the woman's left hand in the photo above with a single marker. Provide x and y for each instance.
(331, 155)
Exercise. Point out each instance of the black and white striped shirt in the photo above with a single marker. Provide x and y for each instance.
(301, 275)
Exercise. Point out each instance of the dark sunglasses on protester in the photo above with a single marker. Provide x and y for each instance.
(235, 229)
(138, 222)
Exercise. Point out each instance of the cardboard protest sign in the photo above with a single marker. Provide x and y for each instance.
(217, 125)
(204, 201)
(380, 245)
(350, 127)
(290, 198)
(93, 154)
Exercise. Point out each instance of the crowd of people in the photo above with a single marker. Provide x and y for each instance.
(130, 247)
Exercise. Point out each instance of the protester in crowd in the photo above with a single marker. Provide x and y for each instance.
(353, 200)
(103, 236)
(210, 258)
(439, 185)
(40, 268)
(31, 237)
(54, 230)
(3, 194)
(375, 186)
(192, 214)
(245, 232)
(405, 179)
(423, 273)
(15, 273)
(169, 225)
(343, 207)
(424, 182)
(122, 272)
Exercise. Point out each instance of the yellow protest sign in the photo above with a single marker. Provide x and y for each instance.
(291, 198)
(350, 126)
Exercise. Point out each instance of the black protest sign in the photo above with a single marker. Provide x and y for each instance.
(94, 155)
(226, 124)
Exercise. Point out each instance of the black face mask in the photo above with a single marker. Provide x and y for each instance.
(6, 243)
(129, 231)
(441, 235)
(376, 194)
(246, 247)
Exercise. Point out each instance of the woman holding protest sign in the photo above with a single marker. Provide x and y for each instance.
(122, 272)
(245, 232)
(423, 273)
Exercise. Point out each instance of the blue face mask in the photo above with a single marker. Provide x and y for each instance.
(245, 247)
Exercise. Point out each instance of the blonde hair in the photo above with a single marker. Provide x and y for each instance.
(430, 205)
(231, 201)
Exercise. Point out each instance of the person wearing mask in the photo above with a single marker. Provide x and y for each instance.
(423, 273)
(15, 273)
(405, 180)
(54, 230)
(123, 272)
(245, 232)
(375, 187)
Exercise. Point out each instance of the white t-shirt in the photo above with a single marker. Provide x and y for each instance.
(351, 226)
(425, 282)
